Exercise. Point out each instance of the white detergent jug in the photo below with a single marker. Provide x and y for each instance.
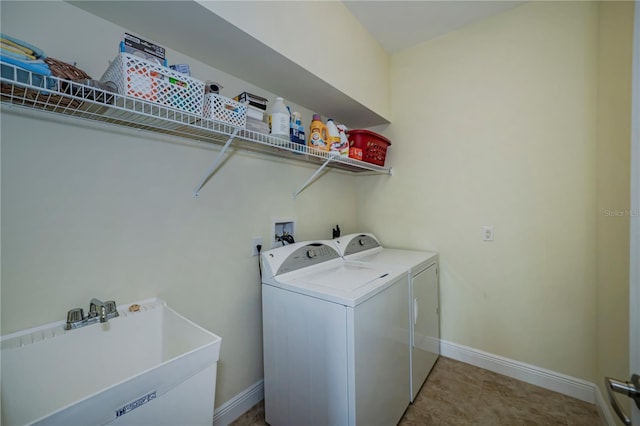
(279, 120)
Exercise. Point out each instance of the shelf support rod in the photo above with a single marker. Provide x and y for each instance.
(216, 162)
(311, 178)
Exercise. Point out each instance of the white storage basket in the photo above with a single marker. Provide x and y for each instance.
(147, 80)
(225, 110)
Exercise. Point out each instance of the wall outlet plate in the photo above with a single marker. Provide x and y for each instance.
(255, 241)
(487, 233)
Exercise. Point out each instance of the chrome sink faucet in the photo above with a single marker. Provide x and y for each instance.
(94, 305)
(98, 311)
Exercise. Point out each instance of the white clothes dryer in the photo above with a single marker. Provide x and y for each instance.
(335, 337)
(424, 302)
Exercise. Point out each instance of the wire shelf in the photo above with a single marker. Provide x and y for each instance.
(24, 89)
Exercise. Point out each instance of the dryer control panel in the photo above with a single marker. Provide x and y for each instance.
(297, 256)
(358, 243)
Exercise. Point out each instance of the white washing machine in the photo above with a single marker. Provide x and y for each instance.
(424, 302)
(335, 336)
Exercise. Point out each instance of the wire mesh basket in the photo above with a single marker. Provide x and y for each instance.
(147, 80)
(225, 110)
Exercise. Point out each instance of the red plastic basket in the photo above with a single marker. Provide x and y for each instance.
(371, 146)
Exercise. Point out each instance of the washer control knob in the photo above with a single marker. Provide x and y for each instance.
(311, 254)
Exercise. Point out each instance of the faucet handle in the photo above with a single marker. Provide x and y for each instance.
(111, 309)
(74, 317)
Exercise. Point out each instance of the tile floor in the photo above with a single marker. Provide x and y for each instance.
(459, 394)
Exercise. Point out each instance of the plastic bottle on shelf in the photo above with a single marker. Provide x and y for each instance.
(345, 140)
(293, 134)
(301, 138)
(297, 131)
(318, 134)
(279, 120)
(336, 144)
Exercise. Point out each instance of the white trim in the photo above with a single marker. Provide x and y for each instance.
(634, 231)
(557, 382)
(239, 404)
(606, 417)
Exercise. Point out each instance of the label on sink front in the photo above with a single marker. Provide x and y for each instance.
(137, 403)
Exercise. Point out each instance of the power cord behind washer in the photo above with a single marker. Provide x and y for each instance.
(259, 248)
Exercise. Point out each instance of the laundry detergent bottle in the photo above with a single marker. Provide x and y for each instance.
(318, 134)
(279, 120)
(301, 139)
(344, 145)
(336, 146)
(297, 131)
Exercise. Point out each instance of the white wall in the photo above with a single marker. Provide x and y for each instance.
(496, 124)
(98, 212)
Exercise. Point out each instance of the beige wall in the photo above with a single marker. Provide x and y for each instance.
(102, 213)
(321, 36)
(496, 124)
(520, 122)
(614, 134)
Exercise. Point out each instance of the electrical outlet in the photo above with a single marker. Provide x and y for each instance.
(487, 233)
(255, 241)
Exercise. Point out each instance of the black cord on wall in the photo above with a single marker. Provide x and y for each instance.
(259, 248)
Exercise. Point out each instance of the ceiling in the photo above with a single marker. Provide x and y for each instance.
(399, 24)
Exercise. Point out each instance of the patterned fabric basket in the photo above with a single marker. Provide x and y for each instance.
(147, 80)
(225, 110)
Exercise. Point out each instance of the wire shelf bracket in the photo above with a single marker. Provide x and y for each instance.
(311, 178)
(216, 163)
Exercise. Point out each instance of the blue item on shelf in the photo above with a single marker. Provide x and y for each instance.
(182, 68)
(38, 66)
(37, 52)
(18, 67)
(13, 72)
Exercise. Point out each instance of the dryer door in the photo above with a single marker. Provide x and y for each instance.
(425, 345)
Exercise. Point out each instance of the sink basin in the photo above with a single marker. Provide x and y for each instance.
(152, 366)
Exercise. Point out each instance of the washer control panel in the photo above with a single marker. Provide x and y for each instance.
(307, 255)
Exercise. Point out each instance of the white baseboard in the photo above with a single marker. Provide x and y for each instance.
(606, 416)
(239, 404)
(558, 382)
